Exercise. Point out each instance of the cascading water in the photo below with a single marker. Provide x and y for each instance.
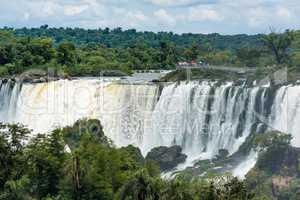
(122, 108)
(202, 117)
(285, 114)
(9, 92)
(205, 117)
(5, 95)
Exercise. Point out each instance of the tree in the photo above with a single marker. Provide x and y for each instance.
(141, 187)
(66, 54)
(218, 58)
(96, 169)
(192, 52)
(6, 54)
(45, 26)
(43, 168)
(221, 187)
(276, 153)
(177, 190)
(235, 190)
(45, 164)
(12, 158)
(43, 48)
(6, 37)
(16, 189)
(168, 56)
(273, 139)
(72, 134)
(248, 57)
(279, 44)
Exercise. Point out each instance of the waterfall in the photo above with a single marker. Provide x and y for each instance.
(202, 117)
(9, 91)
(122, 108)
(205, 117)
(245, 166)
(285, 113)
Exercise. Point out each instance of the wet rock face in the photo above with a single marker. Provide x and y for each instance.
(167, 157)
(36, 78)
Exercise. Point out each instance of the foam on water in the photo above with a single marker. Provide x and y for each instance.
(201, 117)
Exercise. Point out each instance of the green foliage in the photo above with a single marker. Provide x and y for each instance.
(278, 44)
(43, 168)
(168, 57)
(79, 52)
(134, 152)
(248, 57)
(17, 190)
(152, 168)
(46, 159)
(3, 71)
(12, 159)
(141, 186)
(276, 154)
(66, 54)
(19, 54)
(118, 38)
(191, 53)
(272, 140)
(275, 175)
(178, 190)
(73, 134)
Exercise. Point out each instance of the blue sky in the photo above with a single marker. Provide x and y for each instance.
(180, 16)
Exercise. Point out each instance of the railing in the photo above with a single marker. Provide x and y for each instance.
(217, 67)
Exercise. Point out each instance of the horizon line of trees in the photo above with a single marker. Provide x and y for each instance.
(68, 51)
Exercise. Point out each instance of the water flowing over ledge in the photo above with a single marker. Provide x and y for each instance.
(202, 117)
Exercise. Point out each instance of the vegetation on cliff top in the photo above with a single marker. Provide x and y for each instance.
(276, 174)
(79, 52)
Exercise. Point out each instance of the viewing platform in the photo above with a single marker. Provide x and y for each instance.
(215, 67)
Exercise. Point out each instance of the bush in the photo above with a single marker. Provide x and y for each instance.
(3, 71)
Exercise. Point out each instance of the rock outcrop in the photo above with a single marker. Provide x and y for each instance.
(167, 157)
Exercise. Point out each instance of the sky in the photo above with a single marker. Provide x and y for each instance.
(179, 16)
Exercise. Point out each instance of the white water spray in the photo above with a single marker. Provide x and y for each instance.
(202, 117)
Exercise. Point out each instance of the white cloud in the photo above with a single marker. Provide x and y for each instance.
(91, 2)
(97, 9)
(35, 9)
(50, 8)
(26, 15)
(71, 10)
(204, 14)
(256, 16)
(119, 11)
(164, 17)
(136, 16)
(236, 16)
(276, 16)
(284, 12)
(169, 2)
(178, 2)
(130, 18)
